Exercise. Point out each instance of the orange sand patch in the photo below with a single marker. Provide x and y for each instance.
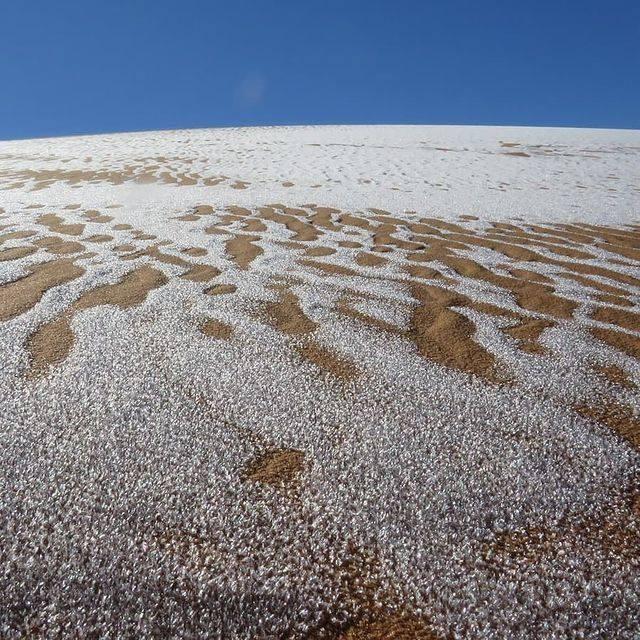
(201, 273)
(243, 250)
(279, 468)
(625, 342)
(52, 342)
(287, 316)
(527, 332)
(445, 336)
(19, 296)
(57, 225)
(621, 419)
(396, 627)
(370, 260)
(216, 329)
(195, 251)
(220, 289)
(58, 246)
(615, 375)
(326, 360)
(15, 253)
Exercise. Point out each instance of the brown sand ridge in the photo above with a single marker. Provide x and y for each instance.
(241, 212)
(619, 317)
(44, 178)
(607, 298)
(154, 252)
(367, 608)
(132, 290)
(94, 216)
(441, 240)
(370, 260)
(615, 375)
(141, 235)
(321, 218)
(303, 232)
(425, 249)
(624, 342)
(286, 315)
(201, 273)
(228, 219)
(612, 530)
(216, 329)
(140, 173)
(49, 345)
(397, 627)
(194, 272)
(52, 342)
(277, 467)
(326, 360)
(56, 224)
(195, 251)
(528, 275)
(319, 252)
(15, 253)
(527, 332)
(58, 246)
(328, 268)
(16, 235)
(445, 336)
(220, 289)
(20, 295)
(621, 419)
(520, 253)
(529, 295)
(595, 284)
(254, 226)
(422, 272)
(345, 307)
(623, 242)
(243, 250)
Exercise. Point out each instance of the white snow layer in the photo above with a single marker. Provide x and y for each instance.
(124, 506)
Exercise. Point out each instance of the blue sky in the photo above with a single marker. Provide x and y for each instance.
(71, 67)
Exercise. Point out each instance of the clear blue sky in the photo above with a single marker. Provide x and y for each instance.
(119, 65)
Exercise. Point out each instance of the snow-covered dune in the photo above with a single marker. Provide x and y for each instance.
(543, 174)
(321, 382)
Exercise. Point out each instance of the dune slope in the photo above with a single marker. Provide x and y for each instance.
(321, 382)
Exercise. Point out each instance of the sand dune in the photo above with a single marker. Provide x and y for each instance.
(321, 382)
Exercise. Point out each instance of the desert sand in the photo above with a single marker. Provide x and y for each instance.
(321, 382)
